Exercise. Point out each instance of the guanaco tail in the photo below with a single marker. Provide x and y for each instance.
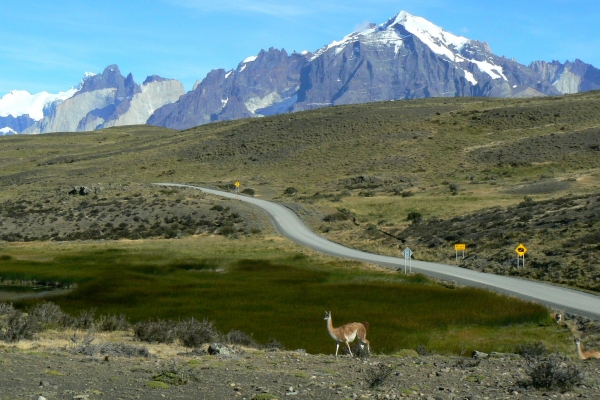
(347, 333)
(584, 355)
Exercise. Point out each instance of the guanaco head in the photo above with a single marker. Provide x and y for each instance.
(558, 318)
(327, 315)
(577, 341)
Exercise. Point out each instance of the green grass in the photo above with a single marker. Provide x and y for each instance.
(269, 289)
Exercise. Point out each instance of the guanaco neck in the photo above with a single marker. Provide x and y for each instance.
(330, 327)
(579, 351)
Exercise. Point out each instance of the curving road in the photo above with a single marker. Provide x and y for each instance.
(289, 225)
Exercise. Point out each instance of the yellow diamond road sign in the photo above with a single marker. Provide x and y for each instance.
(237, 184)
(521, 250)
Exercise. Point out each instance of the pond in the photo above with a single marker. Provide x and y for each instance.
(14, 293)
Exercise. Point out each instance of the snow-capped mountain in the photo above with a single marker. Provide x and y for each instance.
(99, 101)
(406, 57)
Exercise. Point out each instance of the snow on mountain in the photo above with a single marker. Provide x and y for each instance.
(404, 25)
(21, 102)
(7, 131)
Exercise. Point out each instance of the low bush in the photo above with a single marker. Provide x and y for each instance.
(6, 308)
(193, 333)
(111, 349)
(531, 350)
(422, 350)
(172, 374)
(240, 338)
(378, 374)
(273, 345)
(553, 373)
(155, 331)
(414, 217)
(17, 326)
(49, 316)
(111, 323)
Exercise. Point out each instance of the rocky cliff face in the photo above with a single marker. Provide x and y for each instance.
(570, 77)
(407, 57)
(261, 85)
(107, 100)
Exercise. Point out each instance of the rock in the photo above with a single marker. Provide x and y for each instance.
(83, 191)
(480, 354)
(219, 348)
(291, 392)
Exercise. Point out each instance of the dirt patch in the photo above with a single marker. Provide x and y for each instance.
(541, 187)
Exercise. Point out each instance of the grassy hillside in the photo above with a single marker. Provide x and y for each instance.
(377, 176)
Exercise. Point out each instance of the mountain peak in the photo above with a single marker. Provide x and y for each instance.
(432, 35)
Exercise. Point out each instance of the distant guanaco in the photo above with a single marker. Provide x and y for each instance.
(347, 333)
(584, 355)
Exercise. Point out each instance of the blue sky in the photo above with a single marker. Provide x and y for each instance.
(48, 45)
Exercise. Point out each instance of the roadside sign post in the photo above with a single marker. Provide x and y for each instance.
(407, 256)
(237, 186)
(521, 250)
(458, 247)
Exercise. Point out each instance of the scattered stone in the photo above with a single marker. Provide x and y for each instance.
(219, 348)
(480, 354)
(291, 392)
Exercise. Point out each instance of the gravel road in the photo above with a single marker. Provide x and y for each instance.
(289, 225)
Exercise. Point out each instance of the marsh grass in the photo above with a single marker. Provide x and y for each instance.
(267, 289)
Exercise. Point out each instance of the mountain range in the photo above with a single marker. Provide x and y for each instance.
(407, 57)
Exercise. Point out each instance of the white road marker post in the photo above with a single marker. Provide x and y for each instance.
(407, 256)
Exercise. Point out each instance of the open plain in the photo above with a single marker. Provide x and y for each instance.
(80, 210)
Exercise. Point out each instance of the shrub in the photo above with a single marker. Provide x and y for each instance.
(290, 191)
(85, 320)
(553, 373)
(18, 326)
(454, 188)
(531, 350)
(338, 216)
(273, 345)
(111, 323)
(240, 338)
(193, 333)
(414, 217)
(49, 315)
(6, 308)
(249, 191)
(377, 375)
(422, 350)
(407, 193)
(111, 349)
(217, 207)
(172, 374)
(155, 331)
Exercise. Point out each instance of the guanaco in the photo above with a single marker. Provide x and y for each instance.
(584, 355)
(347, 333)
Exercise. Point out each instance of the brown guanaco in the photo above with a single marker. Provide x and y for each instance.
(347, 333)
